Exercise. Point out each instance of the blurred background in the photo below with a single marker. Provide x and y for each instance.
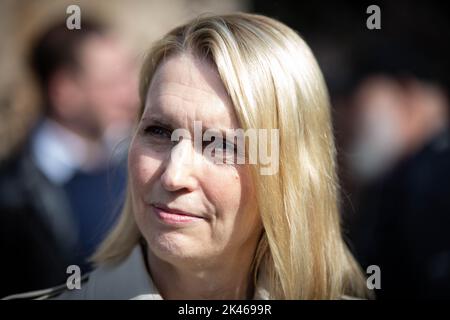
(68, 100)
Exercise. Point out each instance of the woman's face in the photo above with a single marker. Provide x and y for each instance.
(186, 205)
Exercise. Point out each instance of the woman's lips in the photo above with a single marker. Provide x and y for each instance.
(172, 216)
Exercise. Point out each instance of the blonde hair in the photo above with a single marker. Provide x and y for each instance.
(273, 81)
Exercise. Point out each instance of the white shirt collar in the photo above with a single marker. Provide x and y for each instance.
(57, 151)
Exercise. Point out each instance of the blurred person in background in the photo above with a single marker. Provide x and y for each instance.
(401, 160)
(393, 120)
(60, 192)
(397, 79)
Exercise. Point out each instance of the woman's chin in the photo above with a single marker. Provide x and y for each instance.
(171, 247)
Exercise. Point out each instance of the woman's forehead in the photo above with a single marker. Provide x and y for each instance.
(188, 73)
(184, 87)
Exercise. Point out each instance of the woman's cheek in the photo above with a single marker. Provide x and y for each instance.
(142, 167)
(224, 186)
(142, 161)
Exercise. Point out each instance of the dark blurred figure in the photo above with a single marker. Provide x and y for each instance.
(392, 145)
(61, 192)
(401, 161)
(392, 120)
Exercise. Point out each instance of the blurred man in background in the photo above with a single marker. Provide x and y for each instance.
(61, 192)
(392, 144)
(400, 158)
(393, 120)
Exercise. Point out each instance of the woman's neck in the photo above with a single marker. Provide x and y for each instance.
(229, 278)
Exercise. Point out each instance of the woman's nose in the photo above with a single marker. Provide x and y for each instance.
(179, 171)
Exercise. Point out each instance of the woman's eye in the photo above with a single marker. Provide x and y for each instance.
(222, 144)
(158, 132)
(229, 146)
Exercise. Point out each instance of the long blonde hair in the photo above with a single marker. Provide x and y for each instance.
(273, 81)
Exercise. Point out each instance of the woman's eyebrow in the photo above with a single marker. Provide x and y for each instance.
(167, 123)
(215, 131)
(158, 121)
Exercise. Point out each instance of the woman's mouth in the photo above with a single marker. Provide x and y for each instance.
(174, 216)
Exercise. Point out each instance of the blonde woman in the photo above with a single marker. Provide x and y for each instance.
(192, 228)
